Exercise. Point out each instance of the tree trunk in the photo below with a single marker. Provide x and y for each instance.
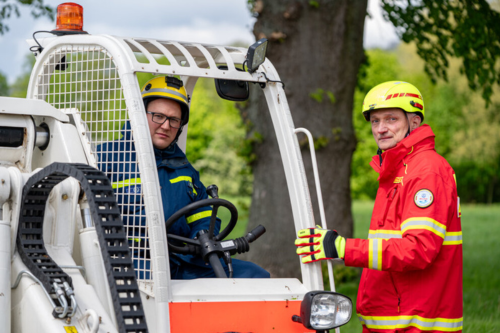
(317, 48)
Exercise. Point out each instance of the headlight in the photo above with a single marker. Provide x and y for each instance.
(325, 310)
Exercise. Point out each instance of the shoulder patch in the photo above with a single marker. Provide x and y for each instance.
(424, 198)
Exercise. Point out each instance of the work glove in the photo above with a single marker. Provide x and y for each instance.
(319, 244)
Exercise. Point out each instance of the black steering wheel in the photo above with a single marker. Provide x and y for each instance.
(215, 203)
(207, 243)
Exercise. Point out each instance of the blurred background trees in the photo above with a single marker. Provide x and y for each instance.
(224, 138)
(467, 131)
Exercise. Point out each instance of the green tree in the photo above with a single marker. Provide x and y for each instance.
(20, 86)
(465, 29)
(215, 135)
(38, 9)
(466, 130)
(316, 47)
(4, 85)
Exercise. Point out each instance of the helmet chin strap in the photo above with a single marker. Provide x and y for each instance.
(176, 138)
(408, 120)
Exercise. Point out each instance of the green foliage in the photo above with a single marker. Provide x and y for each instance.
(246, 149)
(467, 132)
(314, 4)
(320, 142)
(382, 66)
(20, 86)
(215, 136)
(342, 274)
(38, 9)
(4, 86)
(336, 131)
(464, 29)
(319, 93)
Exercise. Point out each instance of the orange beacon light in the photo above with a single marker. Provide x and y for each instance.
(69, 19)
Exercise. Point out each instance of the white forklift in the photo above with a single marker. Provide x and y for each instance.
(65, 262)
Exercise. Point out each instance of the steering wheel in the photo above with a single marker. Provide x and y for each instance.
(207, 243)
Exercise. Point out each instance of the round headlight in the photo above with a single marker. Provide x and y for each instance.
(329, 310)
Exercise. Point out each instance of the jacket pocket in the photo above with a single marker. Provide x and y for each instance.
(391, 194)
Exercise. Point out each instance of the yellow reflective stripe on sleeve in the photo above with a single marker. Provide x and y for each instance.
(424, 223)
(185, 179)
(375, 254)
(199, 216)
(384, 234)
(127, 182)
(453, 238)
(424, 324)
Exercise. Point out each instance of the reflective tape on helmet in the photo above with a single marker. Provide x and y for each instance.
(424, 223)
(375, 254)
(422, 323)
(165, 92)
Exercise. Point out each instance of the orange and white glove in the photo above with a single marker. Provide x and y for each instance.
(319, 244)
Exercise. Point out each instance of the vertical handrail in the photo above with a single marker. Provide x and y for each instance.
(318, 193)
(320, 199)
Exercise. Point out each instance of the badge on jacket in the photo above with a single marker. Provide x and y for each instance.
(424, 198)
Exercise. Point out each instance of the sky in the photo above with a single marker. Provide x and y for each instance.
(214, 22)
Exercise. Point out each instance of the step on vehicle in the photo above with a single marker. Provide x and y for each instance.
(65, 262)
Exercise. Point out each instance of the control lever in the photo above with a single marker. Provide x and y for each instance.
(213, 191)
(255, 233)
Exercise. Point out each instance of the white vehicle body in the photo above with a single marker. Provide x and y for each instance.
(82, 91)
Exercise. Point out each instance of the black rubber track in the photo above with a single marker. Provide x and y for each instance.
(110, 232)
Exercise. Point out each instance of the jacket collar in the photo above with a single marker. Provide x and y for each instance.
(172, 157)
(419, 140)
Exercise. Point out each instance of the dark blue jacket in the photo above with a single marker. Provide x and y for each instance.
(179, 183)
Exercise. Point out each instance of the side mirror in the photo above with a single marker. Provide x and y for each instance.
(232, 90)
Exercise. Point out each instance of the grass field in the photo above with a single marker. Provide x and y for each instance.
(481, 284)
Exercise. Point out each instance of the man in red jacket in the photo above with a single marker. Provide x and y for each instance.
(412, 259)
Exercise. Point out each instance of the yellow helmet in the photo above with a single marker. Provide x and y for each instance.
(394, 94)
(169, 88)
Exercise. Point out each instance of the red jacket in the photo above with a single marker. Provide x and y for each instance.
(412, 280)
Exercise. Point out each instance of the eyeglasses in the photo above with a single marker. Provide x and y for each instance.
(160, 118)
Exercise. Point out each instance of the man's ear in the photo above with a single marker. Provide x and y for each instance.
(415, 121)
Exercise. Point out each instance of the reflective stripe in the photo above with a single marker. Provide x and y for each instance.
(424, 324)
(453, 238)
(183, 178)
(424, 223)
(384, 234)
(198, 216)
(166, 92)
(375, 254)
(127, 182)
(135, 239)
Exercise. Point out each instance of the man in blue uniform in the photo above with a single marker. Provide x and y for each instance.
(167, 109)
